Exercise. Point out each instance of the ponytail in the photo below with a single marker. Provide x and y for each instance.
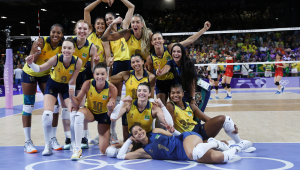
(145, 41)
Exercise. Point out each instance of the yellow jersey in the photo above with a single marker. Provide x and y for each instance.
(46, 53)
(60, 73)
(162, 62)
(96, 101)
(134, 46)
(98, 43)
(119, 49)
(83, 53)
(143, 119)
(184, 119)
(132, 83)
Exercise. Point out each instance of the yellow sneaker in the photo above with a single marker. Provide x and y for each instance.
(77, 153)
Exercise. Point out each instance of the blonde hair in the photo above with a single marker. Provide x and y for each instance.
(145, 41)
(88, 24)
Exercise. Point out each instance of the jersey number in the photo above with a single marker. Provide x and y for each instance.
(185, 124)
(122, 46)
(133, 91)
(97, 106)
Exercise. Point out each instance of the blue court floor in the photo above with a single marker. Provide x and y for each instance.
(275, 156)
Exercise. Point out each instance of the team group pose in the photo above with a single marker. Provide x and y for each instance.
(88, 71)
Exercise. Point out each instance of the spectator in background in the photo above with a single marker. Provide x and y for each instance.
(237, 70)
(18, 74)
(244, 70)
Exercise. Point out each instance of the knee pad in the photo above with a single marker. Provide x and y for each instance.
(111, 152)
(65, 115)
(277, 83)
(47, 118)
(228, 85)
(216, 87)
(27, 110)
(72, 116)
(56, 109)
(79, 118)
(223, 85)
(228, 124)
(198, 152)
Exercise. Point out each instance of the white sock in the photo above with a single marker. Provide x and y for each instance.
(78, 134)
(85, 132)
(54, 129)
(113, 126)
(27, 132)
(118, 100)
(202, 148)
(228, 155)
(72, 123)
(47, 133)
(68, 134)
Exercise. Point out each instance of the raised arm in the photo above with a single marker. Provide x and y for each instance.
(109, 36)
(95, 56)
(36, 47)
(126, 22)
(87, 12)
(194, 37)
(39, 68)
(107, 53)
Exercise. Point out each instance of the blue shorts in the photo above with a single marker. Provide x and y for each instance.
(102, 118)
(53, 88)
(186, 134)
(80, 80)
(124, 120)
(26, 78)
(163, 86)
(119, 66)
(199, 129)
(88, 71)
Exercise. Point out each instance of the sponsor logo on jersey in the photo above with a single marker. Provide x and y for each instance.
(169, 58)
(190, 114)
(84, 55)
(71, 71)
(147, 118)
(104, 97)
(157, 136)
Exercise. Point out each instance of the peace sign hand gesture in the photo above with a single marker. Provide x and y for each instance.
(97, 57)
(159, 71)
(170, 128)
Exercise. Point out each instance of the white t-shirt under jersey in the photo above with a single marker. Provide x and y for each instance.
(18, 73)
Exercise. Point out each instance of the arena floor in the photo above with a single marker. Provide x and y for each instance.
(270, 121)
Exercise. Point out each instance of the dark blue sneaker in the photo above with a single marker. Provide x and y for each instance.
(282, 89)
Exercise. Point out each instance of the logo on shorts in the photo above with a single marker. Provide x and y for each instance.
(104, 97)
(169, 58)
(51, 91)
(84, 55)
(157, 136)
(147, 118)
(151, 150)
(71, 71)
(190, 114)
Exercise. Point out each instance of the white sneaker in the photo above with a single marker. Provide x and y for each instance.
(95, 141)
(48, 149)
(114, 138)
(77, 153)
(55, 145)
(221, 145)
(29, 147)
(243, 145)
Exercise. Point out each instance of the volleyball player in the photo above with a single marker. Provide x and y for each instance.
(100, 101)
(228, 75)
(85, 50)
(120, 52)
(184, 116)
(182, 67)
(42, 50)
(171, 145)
(66, 69)
(141, 111)
(279, 73)
(132, 79)
(268, 69)
(213, 75)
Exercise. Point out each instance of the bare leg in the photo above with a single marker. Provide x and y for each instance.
(104, 135)
(214, 125)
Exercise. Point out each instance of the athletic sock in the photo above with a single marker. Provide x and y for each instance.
(54, 129)
(85, 132)
(228, 155)
(234, 137)
(113, 126)
(47, 133)
(72, 123)
(27, 132)
(68, 134)
(78, 134)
